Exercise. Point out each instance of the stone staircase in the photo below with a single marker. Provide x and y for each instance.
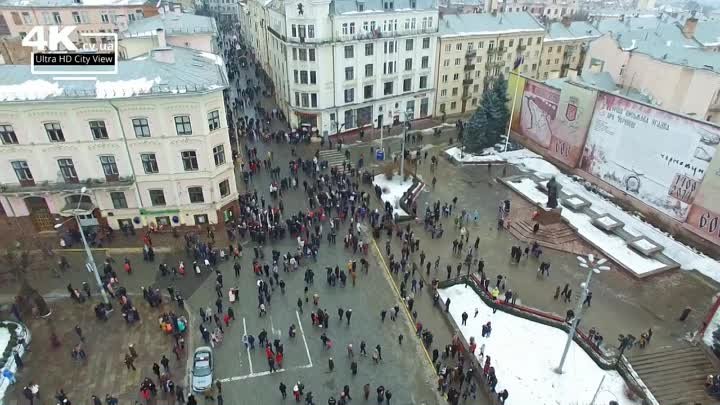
(675, 376)
(557, 236)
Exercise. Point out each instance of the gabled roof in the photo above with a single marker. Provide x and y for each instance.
(576, 30)
(172, 23)
(453, 25)
(190, 72)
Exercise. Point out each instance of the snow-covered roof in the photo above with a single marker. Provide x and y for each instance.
(190, 72)
(73, 3)
(575, 31)
(341, 7)
(172, 23)
(453, 25)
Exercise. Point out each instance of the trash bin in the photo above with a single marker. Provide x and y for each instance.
(379, 155)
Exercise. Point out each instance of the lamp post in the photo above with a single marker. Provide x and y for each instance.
(90, 259)
(592, 266)
(408, 113)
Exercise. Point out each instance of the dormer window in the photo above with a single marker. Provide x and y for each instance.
(413, 3)
(388, 5)
(361, 6)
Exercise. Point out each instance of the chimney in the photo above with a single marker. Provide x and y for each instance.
(177, 8)
(566, 21)
(688, 29)
(162, 41)
(622, 17)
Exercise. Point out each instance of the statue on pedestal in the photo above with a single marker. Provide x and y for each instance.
(553, 188)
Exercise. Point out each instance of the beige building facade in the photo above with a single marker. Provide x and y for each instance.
(564, 48)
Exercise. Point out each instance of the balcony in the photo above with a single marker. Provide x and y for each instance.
(47, 186)
(372, 35)
(467, 82)
(466, 95)
(469, 68)
(471, 53)
(521, 48)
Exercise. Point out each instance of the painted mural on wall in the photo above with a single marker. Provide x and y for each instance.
(658, 157)
(704, 216)
(557, 120)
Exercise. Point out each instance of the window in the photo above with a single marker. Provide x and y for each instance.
(538, 41)
(349, 95)
(294, 53)
(389, 68)
(425, 62)
(67, 169)
(423, 82)
(196, 195)
(7, 134)
(311, 31)
(141, 127)
(98, 130)
(304, 100)
(349, 73)
(369, 49)
(54, 132)
(104, 18)
(301, 31)
(448, 47)
(213, 120)
(453, 105)
(426, 43)
(293, 30)
(368, 91)
(408, 64)
(76, 17)
(118, 200)
(352, 27)
(349, 51)
(368, 70)
(22, 171)
(388, 88)
(458, 47)
(56, 17)
(456, 76)
(557, 60)
(313, 77)
(442, 108)
(344, 29)
(443, 93)
(157, 197)
(224, 188)
(182, 125)
(27, 19)
(311, 54)
(457, 61)
(455, 91)
(446, 62)
(388, 5)
(313, 99)
(189, 159)
(219, 155)
(409, 44)
(302, 53)
(389, 47)
(149, 163)
(109, 166)
(303, 77)
(407, 85)
(444, 78)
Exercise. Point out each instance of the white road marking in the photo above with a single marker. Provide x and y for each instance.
(248, 348)
(272, 328)
(262, 374)
(302, 332)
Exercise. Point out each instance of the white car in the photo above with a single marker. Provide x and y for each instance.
(202, 369)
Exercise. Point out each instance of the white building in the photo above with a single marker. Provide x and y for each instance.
(342, 65)
(150, 144)
(180, 29)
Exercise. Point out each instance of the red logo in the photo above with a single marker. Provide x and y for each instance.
(571, 112)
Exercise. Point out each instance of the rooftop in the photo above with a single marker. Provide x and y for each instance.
(345, 7)
(601, 81)
(172, 23)
(190, 72)
(576, 30)
(708, 33)
(488, 24)
(73, 3)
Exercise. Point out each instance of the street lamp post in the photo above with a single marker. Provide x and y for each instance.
(402, 151)
(592, 266)
(88, 253)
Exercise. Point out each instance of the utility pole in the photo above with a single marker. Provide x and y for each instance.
(402, 151)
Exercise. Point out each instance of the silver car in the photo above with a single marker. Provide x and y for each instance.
(202, 369)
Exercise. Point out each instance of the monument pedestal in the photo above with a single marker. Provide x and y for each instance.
(547, 216)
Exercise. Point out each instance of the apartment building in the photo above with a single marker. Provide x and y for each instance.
(475, 48)
(225, 9)
(150, 144)
(18, 17)
(564, 47)
(343, 65)
(179, 29)
(551, 9)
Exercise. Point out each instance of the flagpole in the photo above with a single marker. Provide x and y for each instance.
(512, 110)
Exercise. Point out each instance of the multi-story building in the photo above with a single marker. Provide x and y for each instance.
(224, 9)
(150, 144)
(564, 48)
(549, 9)
(475, 48)
(18, 17)
(342, 65)
(180, 29)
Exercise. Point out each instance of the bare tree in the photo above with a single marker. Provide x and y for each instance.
(19, 261)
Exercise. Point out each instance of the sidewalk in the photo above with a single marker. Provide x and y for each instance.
(104, 371)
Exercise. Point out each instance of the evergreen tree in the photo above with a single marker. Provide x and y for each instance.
(477, 130)
(498, 107)
(490, 119)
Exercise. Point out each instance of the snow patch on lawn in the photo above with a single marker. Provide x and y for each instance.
(488, 156)
(526, 353)
(393, 190)
(687, 257)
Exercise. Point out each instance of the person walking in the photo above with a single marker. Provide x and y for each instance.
(348, 314)
(464, 318)
(129, 362)
(79, 332)
(156, 370)
(331, 364)
(283, 389)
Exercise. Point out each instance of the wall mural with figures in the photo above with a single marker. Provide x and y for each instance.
(658, 157)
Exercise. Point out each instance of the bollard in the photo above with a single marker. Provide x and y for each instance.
(685, 313)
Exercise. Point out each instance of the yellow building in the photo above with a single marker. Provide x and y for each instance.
(475, 48)
(564, 48)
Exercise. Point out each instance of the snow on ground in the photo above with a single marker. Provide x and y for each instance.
(688, 257)
(526, 353)
(615, 246)
(4, 341)
(393, 190)
(489, 157)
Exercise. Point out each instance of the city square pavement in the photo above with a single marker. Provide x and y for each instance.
(106, 343)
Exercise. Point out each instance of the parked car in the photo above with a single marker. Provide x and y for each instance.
(202, 369)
